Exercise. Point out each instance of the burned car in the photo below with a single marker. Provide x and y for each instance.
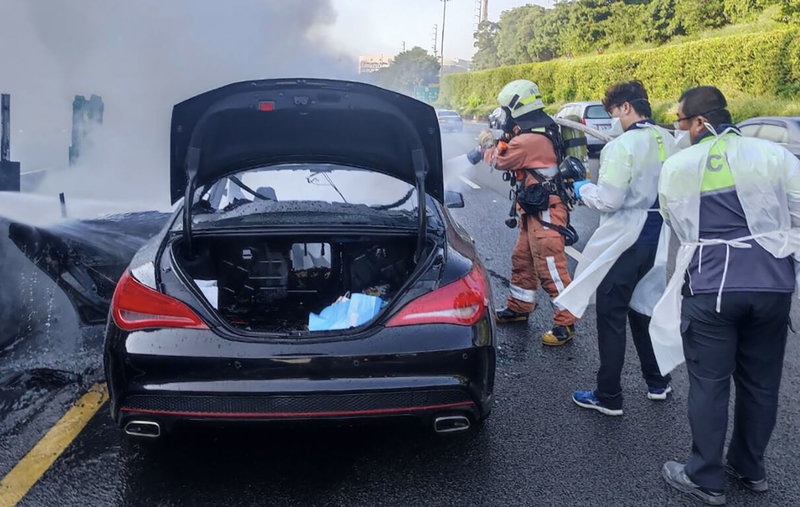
(310, 271)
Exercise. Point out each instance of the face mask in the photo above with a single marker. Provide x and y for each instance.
(682, 139)
(616, 128)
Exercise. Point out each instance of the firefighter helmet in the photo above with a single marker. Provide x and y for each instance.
(520, 97)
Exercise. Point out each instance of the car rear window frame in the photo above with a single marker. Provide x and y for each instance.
(586, 113)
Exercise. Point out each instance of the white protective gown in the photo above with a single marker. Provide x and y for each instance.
(767, 179)
(627, 187)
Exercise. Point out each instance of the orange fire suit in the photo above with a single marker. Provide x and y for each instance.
(538, 257)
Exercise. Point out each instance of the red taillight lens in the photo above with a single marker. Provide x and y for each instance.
(266, 106)
(462, 302)
(135, 306)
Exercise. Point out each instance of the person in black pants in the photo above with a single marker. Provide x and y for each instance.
(734, 202)
(623, 248)
(613, 300)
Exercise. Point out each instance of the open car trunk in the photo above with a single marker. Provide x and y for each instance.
(273, 283)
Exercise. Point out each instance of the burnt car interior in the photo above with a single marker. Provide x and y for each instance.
(271, 284)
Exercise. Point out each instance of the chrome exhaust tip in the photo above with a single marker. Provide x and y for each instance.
(146, 429)
(451, 423)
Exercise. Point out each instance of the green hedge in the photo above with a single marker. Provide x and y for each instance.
(762, 65)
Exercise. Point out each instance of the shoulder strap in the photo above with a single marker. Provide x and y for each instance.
(554, 137)
(662, 153)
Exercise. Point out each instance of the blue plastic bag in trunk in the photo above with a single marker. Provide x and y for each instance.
(345, 313)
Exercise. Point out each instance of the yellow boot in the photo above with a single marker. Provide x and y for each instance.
(559, 335)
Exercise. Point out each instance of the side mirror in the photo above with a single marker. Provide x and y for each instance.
(453, 199)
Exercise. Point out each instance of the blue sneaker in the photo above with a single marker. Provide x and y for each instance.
(658, 393)
(587, 399)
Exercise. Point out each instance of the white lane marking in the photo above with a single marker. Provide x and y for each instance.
(468, 182)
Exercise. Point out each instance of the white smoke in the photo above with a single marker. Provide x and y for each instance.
(142, 57)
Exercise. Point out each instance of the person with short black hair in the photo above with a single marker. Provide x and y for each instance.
(621, 254)
(734, 203)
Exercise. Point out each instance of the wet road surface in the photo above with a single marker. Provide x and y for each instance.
(537, 448)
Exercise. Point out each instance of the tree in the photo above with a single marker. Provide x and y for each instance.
(695, 17)
(486, 42)
(409, 70)
(662, 26)
(586, 30)
(790, 11)
(516, 30)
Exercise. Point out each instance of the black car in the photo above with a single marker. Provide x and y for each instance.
(291, 197)
(784, 130)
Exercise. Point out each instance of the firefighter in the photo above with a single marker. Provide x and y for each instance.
(538, 259)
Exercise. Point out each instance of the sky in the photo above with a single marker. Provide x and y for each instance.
(374, 27)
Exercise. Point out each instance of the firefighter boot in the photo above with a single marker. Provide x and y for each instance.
(559, 335)
(507, 315)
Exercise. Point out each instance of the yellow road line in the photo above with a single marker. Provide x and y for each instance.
(30, 469)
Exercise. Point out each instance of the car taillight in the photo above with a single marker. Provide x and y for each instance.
(583, 120)
(136, 306)
(462, 302)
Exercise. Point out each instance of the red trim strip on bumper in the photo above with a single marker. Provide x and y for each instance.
(297, 414)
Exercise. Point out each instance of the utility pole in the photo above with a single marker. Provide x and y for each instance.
(404, 46)
(435, 41)
(484, 10)
(441, 46)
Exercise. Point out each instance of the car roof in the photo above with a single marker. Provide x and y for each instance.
(584, 103)
(757, 119)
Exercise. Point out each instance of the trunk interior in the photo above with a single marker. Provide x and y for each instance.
(273, 283)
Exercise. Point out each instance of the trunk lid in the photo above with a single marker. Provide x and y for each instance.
(304, 120)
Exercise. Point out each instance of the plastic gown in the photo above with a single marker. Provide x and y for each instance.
(767, 179)
(627, 187)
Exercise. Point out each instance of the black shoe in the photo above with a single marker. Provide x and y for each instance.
(559, 335)
(505, 315)
(758, 486)
(675, 475)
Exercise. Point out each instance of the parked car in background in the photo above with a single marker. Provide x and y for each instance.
(449, 120)
(784, 130)
(496, 118)
(592, 114)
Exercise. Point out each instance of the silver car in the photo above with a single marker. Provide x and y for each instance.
(784, 130)
(592, 114)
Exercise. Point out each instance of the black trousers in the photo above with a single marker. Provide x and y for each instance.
(745, 340)
(613, 297)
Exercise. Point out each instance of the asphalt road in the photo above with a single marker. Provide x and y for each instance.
(537, 448)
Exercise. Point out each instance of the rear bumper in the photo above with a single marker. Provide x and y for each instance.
(421, 404)
(381, 376)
